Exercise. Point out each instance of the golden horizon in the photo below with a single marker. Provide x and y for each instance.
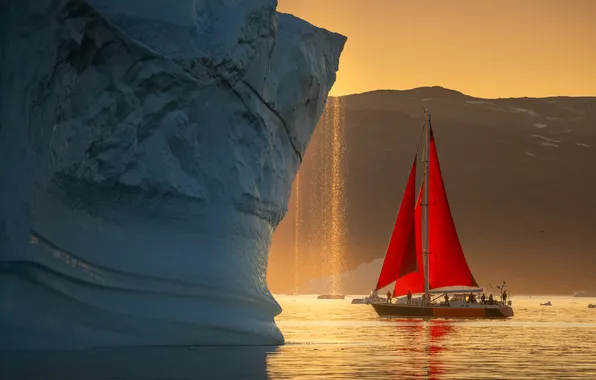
(492, 49)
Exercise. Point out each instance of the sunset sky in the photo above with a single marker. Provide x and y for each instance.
(491, 49)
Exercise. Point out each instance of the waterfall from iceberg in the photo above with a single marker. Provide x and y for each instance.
(147, 152)
(319, 201)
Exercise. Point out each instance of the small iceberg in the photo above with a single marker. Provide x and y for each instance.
(546, 304)
(331, 296)
(584, 293)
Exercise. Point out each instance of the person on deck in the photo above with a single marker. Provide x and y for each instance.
(483, 298)
(389, 296)
(409, 296)
(505, 297)
(446, 299)
(491, 301)
(472, 298)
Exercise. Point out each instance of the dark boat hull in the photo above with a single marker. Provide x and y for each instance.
(436, 311)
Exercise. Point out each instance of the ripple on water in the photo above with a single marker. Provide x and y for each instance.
(332, 339)
(351, 341)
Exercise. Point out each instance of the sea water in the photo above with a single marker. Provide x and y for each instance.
(333, 339)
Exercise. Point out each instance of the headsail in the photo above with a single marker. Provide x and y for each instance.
(448, 266)
(400, 258)
(414, 281)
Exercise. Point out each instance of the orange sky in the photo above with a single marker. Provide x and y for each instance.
(483, 48)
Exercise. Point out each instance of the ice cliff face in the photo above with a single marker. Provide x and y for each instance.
(147, 150)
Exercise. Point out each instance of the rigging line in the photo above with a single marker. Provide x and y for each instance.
(419, 141)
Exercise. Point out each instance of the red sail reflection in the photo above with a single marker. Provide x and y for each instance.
(429, 339)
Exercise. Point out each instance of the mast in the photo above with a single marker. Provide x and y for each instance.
(425, 183)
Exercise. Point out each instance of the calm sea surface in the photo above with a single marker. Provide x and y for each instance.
(340, 340)
(333, 339)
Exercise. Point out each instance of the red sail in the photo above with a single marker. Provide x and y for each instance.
(448, 266)
(400, 258)
(414, 281)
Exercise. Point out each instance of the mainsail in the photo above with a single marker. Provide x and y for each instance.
(447, 263)
(403, 260)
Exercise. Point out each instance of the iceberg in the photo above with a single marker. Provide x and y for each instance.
(147, 151)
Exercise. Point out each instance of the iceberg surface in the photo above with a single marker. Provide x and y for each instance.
(147, 151)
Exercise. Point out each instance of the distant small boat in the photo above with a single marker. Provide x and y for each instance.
(546, 304)
(331, 297)
(592, 306)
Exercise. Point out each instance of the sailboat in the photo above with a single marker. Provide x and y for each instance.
(424, 254)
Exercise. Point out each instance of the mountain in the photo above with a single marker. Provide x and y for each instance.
(519, 172)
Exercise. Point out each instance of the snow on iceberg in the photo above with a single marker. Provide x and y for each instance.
(147, 150)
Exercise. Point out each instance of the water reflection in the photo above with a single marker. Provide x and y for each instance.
(425, 340)
(337, 340)
(137, 363)
(334, 339)
(395, 348)
(437, 332)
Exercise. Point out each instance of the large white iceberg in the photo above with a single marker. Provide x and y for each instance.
(147, 150)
